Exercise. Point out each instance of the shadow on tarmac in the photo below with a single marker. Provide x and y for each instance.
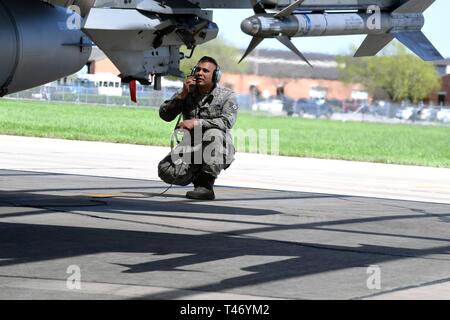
(22, 243)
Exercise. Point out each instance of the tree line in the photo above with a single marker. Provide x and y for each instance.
(226, 55)
(396, 75)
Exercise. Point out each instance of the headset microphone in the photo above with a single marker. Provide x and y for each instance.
(192, 86)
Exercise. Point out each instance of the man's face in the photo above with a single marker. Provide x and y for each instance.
(204, 73)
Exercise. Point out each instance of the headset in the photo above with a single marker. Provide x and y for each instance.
(217, 75)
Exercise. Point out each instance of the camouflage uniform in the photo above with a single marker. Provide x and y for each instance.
(217, 113)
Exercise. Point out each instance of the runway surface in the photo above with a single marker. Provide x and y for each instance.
(97, 214)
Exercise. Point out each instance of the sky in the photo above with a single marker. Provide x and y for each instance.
(437, 29)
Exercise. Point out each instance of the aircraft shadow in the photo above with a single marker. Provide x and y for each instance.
(22, 243)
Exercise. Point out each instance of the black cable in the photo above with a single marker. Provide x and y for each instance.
(173, 138)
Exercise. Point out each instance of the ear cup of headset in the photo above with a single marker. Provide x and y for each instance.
(217, 75)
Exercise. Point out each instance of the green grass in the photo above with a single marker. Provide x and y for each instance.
(401, 144)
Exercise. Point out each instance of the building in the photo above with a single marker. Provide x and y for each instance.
(107, 84)
(271, 69)
(103, 66)
(442, 67)
(442, 97)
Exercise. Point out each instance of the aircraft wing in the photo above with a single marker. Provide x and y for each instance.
(212, 4)
(308, 5)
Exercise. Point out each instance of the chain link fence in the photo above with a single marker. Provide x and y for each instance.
(149, 98)
(112, 96)
(115, 96)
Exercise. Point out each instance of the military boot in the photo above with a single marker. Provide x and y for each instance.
(203, 188)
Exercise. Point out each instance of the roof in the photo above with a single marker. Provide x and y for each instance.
(445, 62)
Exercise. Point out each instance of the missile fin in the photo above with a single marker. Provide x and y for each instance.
(414, 6)
(286, 12)
(418, 43)
(288, 43)
(258, 7)
(252, 46)
(373, 44)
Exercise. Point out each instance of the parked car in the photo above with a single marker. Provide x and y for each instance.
(443, 115)
(415, 113)
(405, 113)
(288, 103)
(383, 109)
(428, 114)
(350, 106)
(312, 107)
(335, 103)
(361, 106)
(273, 106)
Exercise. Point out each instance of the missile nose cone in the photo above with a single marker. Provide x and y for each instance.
(247, 26)
(250, 26)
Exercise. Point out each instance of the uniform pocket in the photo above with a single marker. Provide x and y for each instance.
(211, 111)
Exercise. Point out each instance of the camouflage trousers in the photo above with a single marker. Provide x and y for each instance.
(211, 153)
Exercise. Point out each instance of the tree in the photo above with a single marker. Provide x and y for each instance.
(226, 55)
(400, 76)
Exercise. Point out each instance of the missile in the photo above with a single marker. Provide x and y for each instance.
(404, 24)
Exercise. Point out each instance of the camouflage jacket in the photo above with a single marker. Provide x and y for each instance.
(217, 110)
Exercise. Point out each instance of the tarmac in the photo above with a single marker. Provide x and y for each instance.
(85, 220)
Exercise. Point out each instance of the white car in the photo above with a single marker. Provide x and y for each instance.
(405, 113)
(273, 106)
(428, 114)
(443, 115)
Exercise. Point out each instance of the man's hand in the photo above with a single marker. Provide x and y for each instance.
(188, 84)
(188, 124)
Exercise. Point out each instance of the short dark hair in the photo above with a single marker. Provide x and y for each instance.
(209, 59)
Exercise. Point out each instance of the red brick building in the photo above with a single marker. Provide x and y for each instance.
(294, 88)
(270, 69)
(442, 97)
